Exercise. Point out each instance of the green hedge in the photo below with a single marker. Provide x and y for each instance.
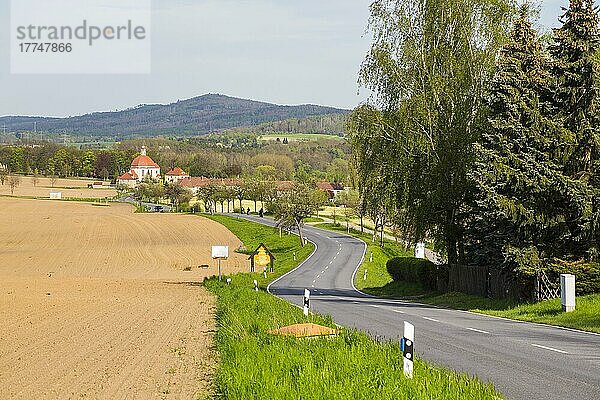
(412, 269)
(587, 275)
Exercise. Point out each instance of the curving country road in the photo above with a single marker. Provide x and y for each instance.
(523, 360)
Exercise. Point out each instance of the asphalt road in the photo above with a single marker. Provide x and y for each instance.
(523, 360)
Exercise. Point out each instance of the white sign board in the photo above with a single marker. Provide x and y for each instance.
(221, 252)
(55, 195)
(420, 250)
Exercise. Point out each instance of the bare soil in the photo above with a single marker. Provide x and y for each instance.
(70, 188)
(95, 302)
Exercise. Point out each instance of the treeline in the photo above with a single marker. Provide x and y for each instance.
(333, 124)
(226, 156)
(484, 138)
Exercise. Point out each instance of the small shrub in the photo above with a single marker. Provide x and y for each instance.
(412, 269)
(587, 275)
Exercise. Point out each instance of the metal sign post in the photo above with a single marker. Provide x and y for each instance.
(306, 302)
(220, 253)
(408, 349)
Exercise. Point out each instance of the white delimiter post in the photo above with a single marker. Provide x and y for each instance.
(306, 301)
(408, 348)
(567, 292)
(255, 285)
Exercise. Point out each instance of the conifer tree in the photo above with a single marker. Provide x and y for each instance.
(575, 49)
(521, 192)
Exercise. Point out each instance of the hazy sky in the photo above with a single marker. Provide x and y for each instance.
(281, 51)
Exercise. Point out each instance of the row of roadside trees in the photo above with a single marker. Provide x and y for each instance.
(483, 138)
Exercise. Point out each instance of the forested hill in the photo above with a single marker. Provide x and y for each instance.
(196, 116)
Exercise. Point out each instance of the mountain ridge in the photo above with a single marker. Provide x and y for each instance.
(190, 117)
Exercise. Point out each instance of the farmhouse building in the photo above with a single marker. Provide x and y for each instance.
(331, 188)
(195, 184)
(175, 175)
(142, 167)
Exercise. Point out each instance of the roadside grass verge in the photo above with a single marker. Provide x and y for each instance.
(585, 317)
(253, 234)
(379, 283)
(257, 365)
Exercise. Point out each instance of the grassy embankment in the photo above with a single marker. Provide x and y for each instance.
(257, 365)
(380, 283)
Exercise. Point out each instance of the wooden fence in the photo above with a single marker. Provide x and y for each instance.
(481, 281)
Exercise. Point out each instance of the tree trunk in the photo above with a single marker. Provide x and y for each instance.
(451, 240)
(300, 233)
(451, 250)
(362, 227)
(382, 235)
(255, 206)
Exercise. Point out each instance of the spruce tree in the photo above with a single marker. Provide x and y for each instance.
(521, 192)
(575, 49)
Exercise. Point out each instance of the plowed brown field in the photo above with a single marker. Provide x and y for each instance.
(75, 188)
(95, 302)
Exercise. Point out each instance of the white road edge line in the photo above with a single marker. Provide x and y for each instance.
(549, 348)
(398, 311)
(478, 330)
(430, 319)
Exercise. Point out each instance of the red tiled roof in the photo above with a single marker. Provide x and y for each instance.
(194, 182)
(285, 185)
(324, 186)
(201, 182)
(330, 186)
(143, 161)
(176, 172)
(128, 176)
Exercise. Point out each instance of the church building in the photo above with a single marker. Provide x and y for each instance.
(142, 167)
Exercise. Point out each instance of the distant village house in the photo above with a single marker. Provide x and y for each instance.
(176, 175)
